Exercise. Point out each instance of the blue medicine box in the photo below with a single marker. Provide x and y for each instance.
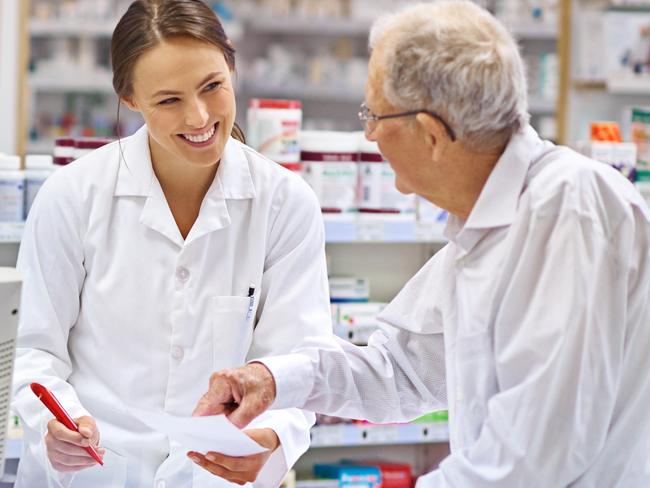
(350, 476)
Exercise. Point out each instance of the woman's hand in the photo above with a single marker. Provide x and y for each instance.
(65, 447)
(244, 469)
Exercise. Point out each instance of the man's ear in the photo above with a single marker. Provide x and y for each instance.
(434, 132)
(131, 105)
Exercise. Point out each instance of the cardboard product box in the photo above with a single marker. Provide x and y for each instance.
(349, 475)
(393, 475)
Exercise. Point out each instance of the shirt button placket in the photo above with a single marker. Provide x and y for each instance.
(182, 274)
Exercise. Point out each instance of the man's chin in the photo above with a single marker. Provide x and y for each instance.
(403, 187)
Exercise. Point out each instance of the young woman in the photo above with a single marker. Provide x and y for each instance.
(158, 259)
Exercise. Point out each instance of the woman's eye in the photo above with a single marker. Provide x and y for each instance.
(212, 86)
(168, 101)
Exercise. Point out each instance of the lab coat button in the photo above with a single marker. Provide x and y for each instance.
(182, 274)
(177, 352)
(161, 484)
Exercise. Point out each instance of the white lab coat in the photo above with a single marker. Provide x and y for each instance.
(118, 310)
(532, 326)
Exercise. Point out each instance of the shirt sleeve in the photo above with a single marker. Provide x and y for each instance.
(51, 262)
(293, 304)
(558, 344)
(400, 375)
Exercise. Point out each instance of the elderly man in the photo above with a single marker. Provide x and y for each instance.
(532, 325)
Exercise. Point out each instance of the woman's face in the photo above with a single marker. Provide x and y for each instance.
(183, 89)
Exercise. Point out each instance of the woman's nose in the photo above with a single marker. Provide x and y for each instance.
(197, 114)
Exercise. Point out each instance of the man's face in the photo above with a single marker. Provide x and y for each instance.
(400, 140)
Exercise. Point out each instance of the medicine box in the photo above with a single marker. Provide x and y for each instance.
(350, 476)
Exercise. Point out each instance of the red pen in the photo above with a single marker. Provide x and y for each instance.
(54, 406)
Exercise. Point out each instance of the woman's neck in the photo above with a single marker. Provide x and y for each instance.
(184, 186)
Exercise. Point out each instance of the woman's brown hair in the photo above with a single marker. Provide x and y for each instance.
(147, 22)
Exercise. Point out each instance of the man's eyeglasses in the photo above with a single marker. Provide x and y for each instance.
(368, 119)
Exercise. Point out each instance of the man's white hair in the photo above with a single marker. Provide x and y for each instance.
(454, 58)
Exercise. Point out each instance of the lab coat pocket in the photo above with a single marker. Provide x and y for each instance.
(232, 329)
(475, 382)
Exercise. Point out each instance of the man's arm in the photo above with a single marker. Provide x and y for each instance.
(398, 376)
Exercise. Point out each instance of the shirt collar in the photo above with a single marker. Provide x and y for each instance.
(498, 201)
(135, 174)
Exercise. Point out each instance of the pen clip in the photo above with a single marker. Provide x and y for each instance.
(251, 301)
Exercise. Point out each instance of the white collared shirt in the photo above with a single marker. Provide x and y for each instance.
(120, 311)
(532, 327)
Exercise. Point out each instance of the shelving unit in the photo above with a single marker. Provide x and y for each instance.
(80, 83)
(349, 435)
(13, 448)
(11, 232)
(597, 91)
(350, 228)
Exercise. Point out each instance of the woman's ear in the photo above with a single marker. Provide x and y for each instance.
(130, 103)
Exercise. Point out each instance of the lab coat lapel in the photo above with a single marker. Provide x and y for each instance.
(136, 179)
(232, 182)
(157, 215)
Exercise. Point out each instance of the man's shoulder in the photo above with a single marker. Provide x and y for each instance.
(565, 180)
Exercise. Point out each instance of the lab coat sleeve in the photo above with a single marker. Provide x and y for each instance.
(293, 304)
(558, 344)
(398, 376)
(51, 262)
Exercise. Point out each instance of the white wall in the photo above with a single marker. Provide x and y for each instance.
(9, 90)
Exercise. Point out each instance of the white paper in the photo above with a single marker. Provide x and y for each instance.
(201, 434)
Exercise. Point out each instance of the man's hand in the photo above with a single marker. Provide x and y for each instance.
(240, 470)
(65, 447)
(242, 394)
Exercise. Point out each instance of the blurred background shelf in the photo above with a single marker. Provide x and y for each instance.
(98, 28)
(305, 91)
(51, 28)
(11, 232)
(345, 435)
(58, 83)
(13, 448)
(351, 228)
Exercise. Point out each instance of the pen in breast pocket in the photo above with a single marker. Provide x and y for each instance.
(251, 300)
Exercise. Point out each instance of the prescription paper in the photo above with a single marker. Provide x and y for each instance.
(201, 434)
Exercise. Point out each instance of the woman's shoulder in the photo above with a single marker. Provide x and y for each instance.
(84, 179)
(95, 166)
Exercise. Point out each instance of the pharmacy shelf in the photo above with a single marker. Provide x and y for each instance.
(632, 7)
(629, 84)
(341, 435)
(40, 146)
(98, 28)
(8, 478)
(350, 228)
(13, 448)
(538, 106)
(347, 435)
(95, 83)
(344, 94)
(361, 27)
(11, 232)
(308, 26)
(304, 91)
(338, 229)
(69, 28)
(534, 32)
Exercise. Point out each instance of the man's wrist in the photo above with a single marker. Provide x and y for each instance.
(264, 380)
